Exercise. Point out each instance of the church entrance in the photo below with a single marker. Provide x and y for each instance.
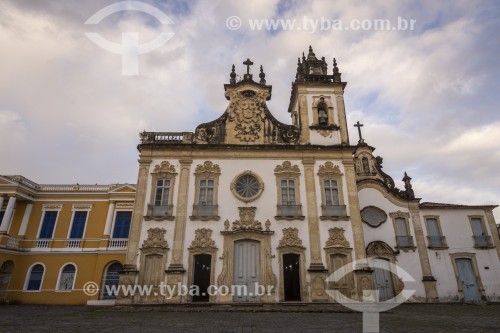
(246, 271)
(110, 281)
(291, 276)
(201, 276)
(383, 279)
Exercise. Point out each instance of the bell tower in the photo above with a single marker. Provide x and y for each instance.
(317, 102)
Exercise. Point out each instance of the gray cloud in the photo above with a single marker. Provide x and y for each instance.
(428, 97)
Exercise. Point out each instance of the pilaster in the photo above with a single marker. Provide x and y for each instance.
(490, 219)
(344, 134)
(428, 280)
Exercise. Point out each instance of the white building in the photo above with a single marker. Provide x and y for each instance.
(245, 199)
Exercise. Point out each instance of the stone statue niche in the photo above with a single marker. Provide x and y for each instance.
(322, 112)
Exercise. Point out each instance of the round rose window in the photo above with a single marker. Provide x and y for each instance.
(247, 186)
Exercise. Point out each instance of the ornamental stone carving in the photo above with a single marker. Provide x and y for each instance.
(203, 239)
(380, 249)
(373, 216)
(247, 112)
(287, 167)
(329, 169)
(290, 238)
(247, 220)
(207, 168)
(156, 239)
(337, 238)
(164, 167)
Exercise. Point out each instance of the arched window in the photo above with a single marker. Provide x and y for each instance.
(67, 277)
(35, 277)
(111, 279)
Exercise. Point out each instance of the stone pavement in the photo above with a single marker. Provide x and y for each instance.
(432, 318)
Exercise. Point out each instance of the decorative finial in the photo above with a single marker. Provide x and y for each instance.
(303, 56)
(232, 76)
(335, 68)
(262, 76)
(311, 55)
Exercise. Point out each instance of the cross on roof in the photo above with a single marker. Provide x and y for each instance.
(248, 63)
(359, 125)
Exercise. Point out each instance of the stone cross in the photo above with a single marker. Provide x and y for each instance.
(248, 63)
(358, 125)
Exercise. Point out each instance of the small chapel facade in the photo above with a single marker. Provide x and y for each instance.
(246, 200)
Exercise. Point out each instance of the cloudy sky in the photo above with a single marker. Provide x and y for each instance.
(428, 97)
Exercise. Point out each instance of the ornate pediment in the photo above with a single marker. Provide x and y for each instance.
(156, 238)
(246, 222)
(287, 167)
(337, 238)
(207, 168)
(203, 239)
(247, 119)
(329, 169)
(164, 167)
(291, 238)
(380, 249)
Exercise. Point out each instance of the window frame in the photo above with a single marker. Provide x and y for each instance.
(331, 171)
(57, 289)
(245, 199)
(443, 244)
(406, 217)
(49, 208)
(79, 208)
(164, 170)
(28, 278)
(114, 223)
(286, 171)
(488, 235)
(206, 171)
(330, 112)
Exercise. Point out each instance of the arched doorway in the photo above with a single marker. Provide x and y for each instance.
(5, 276)
(110, 281)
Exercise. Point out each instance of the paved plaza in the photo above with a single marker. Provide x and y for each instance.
(242, 319)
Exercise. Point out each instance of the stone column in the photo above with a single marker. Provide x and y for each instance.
(109, 219)
(129, 274)
(4, 226)
(362, 272)
(428, 280)
(317, 271)
(493, 229)
(26, 218)
(344, 133)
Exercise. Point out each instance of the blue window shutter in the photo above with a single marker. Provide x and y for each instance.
(48, 223)
(35, 280)
(122, 224)
(78, 226)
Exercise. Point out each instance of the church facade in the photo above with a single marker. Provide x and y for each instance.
(245, 202)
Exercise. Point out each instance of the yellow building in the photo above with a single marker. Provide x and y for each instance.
(56, 238)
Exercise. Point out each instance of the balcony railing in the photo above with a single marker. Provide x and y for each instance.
(118, 243)
(404, 241)
(205, 210)
(160, 211)
(289, 210)
(333, 210)
(437, 241)
(166, 137)
(73, 243)
(483, 241)
(42, 243)
(12, 242)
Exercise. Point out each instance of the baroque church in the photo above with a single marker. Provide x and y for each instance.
(246, 200)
